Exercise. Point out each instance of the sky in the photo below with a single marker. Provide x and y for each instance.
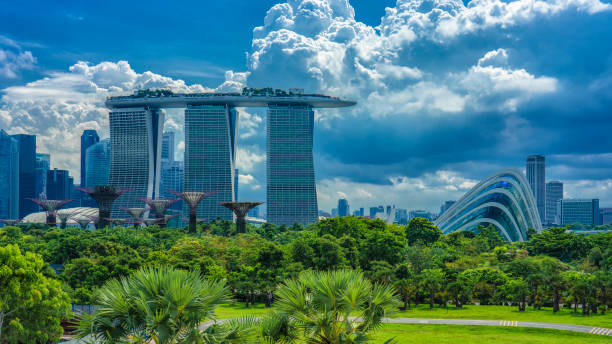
(448, 91)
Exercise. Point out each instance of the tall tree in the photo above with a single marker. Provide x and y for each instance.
(31, 305)
(432, 280)
(422, 231)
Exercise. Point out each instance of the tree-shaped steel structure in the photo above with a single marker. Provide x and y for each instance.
(50, 207)
(240, 209)
(63, 217)
(104, 195)
(135, 213)
(82, 221)
(192, 198)
(159, 207)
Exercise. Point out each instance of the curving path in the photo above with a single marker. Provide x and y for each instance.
(553, 326)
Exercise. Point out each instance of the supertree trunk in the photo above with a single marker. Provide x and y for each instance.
(240, 209)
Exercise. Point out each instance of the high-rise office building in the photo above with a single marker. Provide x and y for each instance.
(554, 193)
(173, 179)
(583, 211)
(361, 212)
(9, 176)
(27, 173)
(167, 153)
(334, 212)
(536, 176)
(291, 192)
(236, 182)
(135, 135)
(59, 185)
(43, 164)
(420, 213)
(343, 208)
(605, 216)
(374, 211)
(88, 139)
(444, 207)
(401, 216)
(97, 160)
(210, 156)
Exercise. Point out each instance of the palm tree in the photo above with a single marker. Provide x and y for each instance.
(328, 307)
(162, 306)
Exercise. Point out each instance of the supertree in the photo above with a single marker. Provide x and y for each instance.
(117, 221)
(95, 219)
(82, 221)
(240, 209)
(50, 207)
(104, 195)
(150, 222)
(192, 198)
(10, 222)
(159, 207)
(136, 214)
(63, 217)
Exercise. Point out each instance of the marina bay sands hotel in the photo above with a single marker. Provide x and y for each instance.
(211, 122)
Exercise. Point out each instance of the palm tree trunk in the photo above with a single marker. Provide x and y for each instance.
(555, 300)
(431, 299)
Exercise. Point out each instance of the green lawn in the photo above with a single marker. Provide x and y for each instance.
(564, 316)
(441, 334)
(237, 310)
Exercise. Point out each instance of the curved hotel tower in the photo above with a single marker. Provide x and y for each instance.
(210, 147)
(503, 200)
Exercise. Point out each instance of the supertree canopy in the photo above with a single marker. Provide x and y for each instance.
(240, 209)
(50, 207)
(192, 198)
(104, 195)
(159, 207)
(63, 217)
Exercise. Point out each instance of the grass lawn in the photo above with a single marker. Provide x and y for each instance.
(441, 334)
(564, 316)
(237, 310)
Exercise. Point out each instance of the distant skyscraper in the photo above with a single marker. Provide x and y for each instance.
(291, 191)
(420, 213)
(554, 192)
(210, 157)
(58, 185)
(356, 212)
(253, 212)
(584, 211)
(173, 179)
(536, 176)
(135, 135)
(168, 146)
(27, 173)
(43, 164)
(88, 139)
(444, 207)
(97, 160)
(343, 208)
(388, 212)
(361, 212)
(334, 212)
(605, 216)
(9, 176)
(373, 211)
(401, 216)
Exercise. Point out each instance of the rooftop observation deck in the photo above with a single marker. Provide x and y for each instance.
(249, 97)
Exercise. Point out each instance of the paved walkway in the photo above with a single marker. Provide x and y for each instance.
(553, 326)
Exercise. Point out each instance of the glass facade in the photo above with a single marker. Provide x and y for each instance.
(536, 176)
(59, 186)
(210, 157)
(583, 211)
(554, 193)
(43, 164)
(97, 159)
(167, 153)
(503, 200)
(9, 175)
(88, 139)
(291, 191)
(27, 173)
(135, 163)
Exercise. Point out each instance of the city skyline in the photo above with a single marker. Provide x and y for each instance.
(421, 134)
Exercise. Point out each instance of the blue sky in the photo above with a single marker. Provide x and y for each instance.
(448, 91)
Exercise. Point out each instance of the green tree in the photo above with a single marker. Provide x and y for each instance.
(516, 290)
(31, 305)
(423, 231)
(323, 305)
(162, 305)
(432, 280)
